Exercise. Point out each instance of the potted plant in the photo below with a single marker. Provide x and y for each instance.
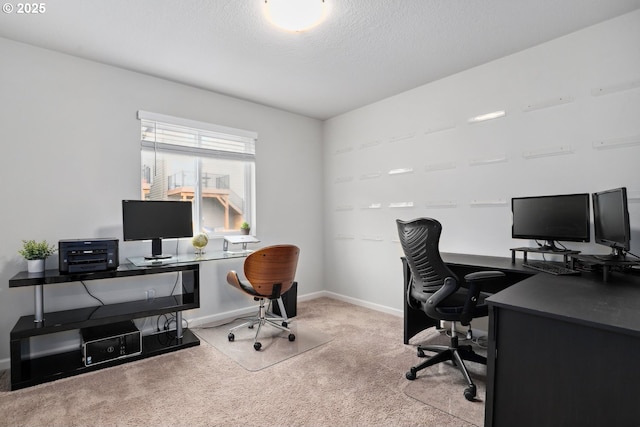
(245, 228)
(35, 253)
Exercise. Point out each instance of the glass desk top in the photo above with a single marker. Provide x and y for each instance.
(189, 258)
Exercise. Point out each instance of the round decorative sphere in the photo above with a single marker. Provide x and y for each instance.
(200, 240)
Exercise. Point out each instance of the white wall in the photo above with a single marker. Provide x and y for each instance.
(360, 147)
(71, 153)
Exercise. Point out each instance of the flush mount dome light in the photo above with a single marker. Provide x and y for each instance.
(295, 15)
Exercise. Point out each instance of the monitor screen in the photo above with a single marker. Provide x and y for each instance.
(611, 219)
(156, 220)
(551, 218)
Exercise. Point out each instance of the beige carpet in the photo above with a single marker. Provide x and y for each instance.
(355, 379)
(442, 385)
(276, 346)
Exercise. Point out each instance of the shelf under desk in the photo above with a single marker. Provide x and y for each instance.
(28, 370)
(62, 365)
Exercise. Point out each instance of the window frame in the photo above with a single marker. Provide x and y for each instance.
(198, 141)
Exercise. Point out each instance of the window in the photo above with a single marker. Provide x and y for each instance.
(212, 166)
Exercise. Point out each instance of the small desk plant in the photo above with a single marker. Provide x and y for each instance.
(36, 253)
(245, 228)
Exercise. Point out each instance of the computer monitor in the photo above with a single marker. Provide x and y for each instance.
(551, 218)
(156, 220)
(611, 221)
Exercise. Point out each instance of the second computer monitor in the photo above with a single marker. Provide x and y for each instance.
(611, 220)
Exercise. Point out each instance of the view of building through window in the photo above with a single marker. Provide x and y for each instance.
(215, 174)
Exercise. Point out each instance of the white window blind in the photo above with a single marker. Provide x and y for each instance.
(213, 166)
(178, 135)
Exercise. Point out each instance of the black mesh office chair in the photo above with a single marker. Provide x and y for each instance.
(437, 291)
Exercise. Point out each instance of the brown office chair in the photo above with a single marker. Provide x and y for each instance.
(437, 291)
(270, 272)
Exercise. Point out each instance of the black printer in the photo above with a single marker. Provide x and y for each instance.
(86, 255)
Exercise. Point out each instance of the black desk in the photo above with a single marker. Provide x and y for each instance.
(564, 351)
(568, 346)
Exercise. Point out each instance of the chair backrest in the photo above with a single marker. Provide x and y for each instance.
(272, 270)
(419, 239)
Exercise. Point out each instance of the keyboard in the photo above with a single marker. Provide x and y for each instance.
(549, 267)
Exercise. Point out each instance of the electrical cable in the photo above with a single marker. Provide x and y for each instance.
(228, 323)
(169, 320)
(158, 321)
(481, 341)
(90, 294)
(167, 326)
(175, 284)
(633, 255)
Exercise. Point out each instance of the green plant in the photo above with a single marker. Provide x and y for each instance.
(36, 250)
(245, 226)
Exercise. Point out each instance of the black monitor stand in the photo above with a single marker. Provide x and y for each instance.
(550, 246)
(616, 260)
(545, 250)
(616, 254)
(156, 250)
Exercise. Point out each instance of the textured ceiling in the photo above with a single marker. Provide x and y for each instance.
(366, 50)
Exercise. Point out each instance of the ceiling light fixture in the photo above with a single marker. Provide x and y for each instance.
(295, 15)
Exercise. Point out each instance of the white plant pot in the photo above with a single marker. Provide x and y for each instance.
(35, 265)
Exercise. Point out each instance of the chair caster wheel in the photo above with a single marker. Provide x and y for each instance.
(292, 337)
(285, 324)
(231, 337)
(257, 346)
(250, 326)
(421, 353)
(470, 393)
(411, 375)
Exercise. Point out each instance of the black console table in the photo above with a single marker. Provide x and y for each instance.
(27, 371)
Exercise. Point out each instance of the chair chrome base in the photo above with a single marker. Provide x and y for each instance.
(265, 317)
(457, 354)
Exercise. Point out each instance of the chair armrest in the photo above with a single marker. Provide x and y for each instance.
(475, 281)
(234, 280)
(449, 287)
(480, 276)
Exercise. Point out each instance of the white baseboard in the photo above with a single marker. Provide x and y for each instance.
(228, 316)
(363, 303)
